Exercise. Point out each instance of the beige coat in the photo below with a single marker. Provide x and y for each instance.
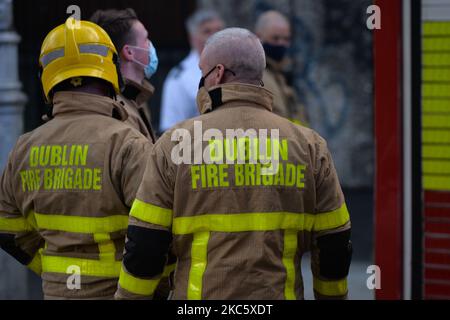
(66, 193)
(239, 234)
(134, 99)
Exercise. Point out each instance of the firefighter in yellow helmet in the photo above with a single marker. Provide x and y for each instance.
(66, 192)
(239, 217)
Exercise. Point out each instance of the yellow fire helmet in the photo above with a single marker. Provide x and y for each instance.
(78, 49)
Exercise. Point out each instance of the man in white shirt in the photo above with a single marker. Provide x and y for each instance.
(181, 85)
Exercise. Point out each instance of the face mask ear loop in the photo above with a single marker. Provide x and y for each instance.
(134, 60)
(150, 68)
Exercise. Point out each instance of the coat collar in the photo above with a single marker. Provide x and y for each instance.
(139, 92)
(69, 101)
(230, 93)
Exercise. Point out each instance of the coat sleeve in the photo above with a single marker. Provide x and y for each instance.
(149, 234)
(331, 246)
(17, 235)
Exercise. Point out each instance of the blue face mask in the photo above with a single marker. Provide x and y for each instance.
(152, 66)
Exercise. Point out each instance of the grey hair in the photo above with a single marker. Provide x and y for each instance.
(200, 17)
(239, 50)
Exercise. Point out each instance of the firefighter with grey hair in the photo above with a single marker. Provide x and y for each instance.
(238, 231)
(179, 91)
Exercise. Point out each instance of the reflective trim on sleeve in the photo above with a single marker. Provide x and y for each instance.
(36, 264)
(330, 288)
(199, 258)
(77, 224)
(87, 267)
(331, 220)
(151, 214)
(135, 285)
(169, 269)
(289, 251)
(14, 224)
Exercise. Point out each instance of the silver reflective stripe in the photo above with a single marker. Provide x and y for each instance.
(49, 57)
(94, 48)
(84, 48)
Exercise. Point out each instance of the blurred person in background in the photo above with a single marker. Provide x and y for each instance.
(180, 88)
(138, 63)
(274, 30)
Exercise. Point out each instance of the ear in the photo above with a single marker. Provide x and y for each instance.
(219, 75)
(126, 54)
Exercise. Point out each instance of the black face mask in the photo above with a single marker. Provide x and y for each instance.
(276, 53)
(201, 84)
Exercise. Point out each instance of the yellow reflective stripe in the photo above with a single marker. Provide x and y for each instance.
(435, 60)
(81, 224)
(106, 247)
(199, 257)
(268, 221)
(88, 267)
(290, 249)
(436, 183)
(436, 167)
(434, 28)
(134, 285)
(436, 121)
(435, 90)
(330, 288)
(243, 222)
(435, 152)
(169, 269)
(14, 224)
(435, 105)
(332, 219)
(436, 136)
(432, 44)
(36, 264)
(151, 214)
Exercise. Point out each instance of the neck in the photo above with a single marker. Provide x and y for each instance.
(130, 72)
(94, 88)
